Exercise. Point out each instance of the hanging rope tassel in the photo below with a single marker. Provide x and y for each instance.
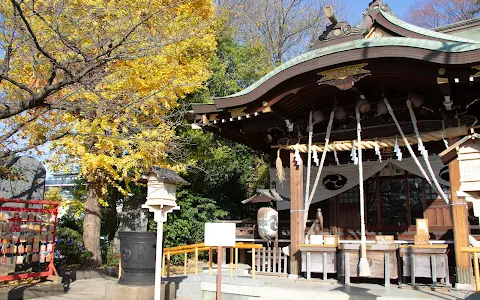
(424, 153)
(363, 265)
(309, 159)
(322, 162)
(279, 167)
(407, 144)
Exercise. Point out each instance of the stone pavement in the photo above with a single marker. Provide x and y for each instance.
(88, 289)
(272, 288)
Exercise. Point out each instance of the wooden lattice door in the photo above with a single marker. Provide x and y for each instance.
(349, 210)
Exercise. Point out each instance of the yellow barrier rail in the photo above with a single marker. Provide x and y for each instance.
(475, 251)
(196, 248)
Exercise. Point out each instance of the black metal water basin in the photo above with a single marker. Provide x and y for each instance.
(137, 251)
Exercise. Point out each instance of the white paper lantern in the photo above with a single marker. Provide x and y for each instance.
(267, 221)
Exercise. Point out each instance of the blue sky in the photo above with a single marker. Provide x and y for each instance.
(356, 8)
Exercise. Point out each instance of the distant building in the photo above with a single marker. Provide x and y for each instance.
(64, 180)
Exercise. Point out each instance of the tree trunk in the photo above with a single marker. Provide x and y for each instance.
(92, 223)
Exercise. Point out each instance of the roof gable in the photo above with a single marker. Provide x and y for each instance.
(380, 29)
(416, 30)
(469, 29)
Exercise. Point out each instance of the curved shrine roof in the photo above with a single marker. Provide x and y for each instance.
(431, 45)
(396, 39)
(383, 56)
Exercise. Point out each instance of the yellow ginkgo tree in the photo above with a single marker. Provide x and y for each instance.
(101, 79)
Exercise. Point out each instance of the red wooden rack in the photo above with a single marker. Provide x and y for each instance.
(46, 207)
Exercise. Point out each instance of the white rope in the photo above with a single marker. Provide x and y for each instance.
(424, 153)
(407, 144)
(364, 269)
(309, 158)
(322, 162)
(382, 143)
(335, 155)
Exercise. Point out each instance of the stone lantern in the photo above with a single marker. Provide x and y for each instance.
(161, 199)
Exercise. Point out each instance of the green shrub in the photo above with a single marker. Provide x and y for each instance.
(109, 255)
(69, 248)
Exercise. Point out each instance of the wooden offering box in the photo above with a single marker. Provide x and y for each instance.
(315, 256)
(381, 257)
(429, 261)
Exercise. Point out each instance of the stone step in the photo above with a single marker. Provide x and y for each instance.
(243, 270)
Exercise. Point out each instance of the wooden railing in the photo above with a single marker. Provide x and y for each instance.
(272, 261)
(197, 248)
(475, 251)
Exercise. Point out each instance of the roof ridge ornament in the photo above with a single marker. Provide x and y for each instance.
(337, 31)
(378, 4)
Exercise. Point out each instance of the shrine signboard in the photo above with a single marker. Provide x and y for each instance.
(220, 234)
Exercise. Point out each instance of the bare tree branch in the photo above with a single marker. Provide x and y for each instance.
(34, 37)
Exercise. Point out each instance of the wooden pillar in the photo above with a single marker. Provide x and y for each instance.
(332, 208)
(297, 225)
(461, 227)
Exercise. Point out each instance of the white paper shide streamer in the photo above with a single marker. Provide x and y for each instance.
(397, 150)
(296, 155)
(353, 154)
(315, 157)
(377, 151)
(444, 140)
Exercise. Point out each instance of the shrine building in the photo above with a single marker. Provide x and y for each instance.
(360, 133)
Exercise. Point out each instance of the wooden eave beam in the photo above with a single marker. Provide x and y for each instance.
(257, 106)
(204, 108)
(379, 131)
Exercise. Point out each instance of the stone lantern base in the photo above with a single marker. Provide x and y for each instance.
(114, 291)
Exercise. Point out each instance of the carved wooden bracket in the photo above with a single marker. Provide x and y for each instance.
(344, 77)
